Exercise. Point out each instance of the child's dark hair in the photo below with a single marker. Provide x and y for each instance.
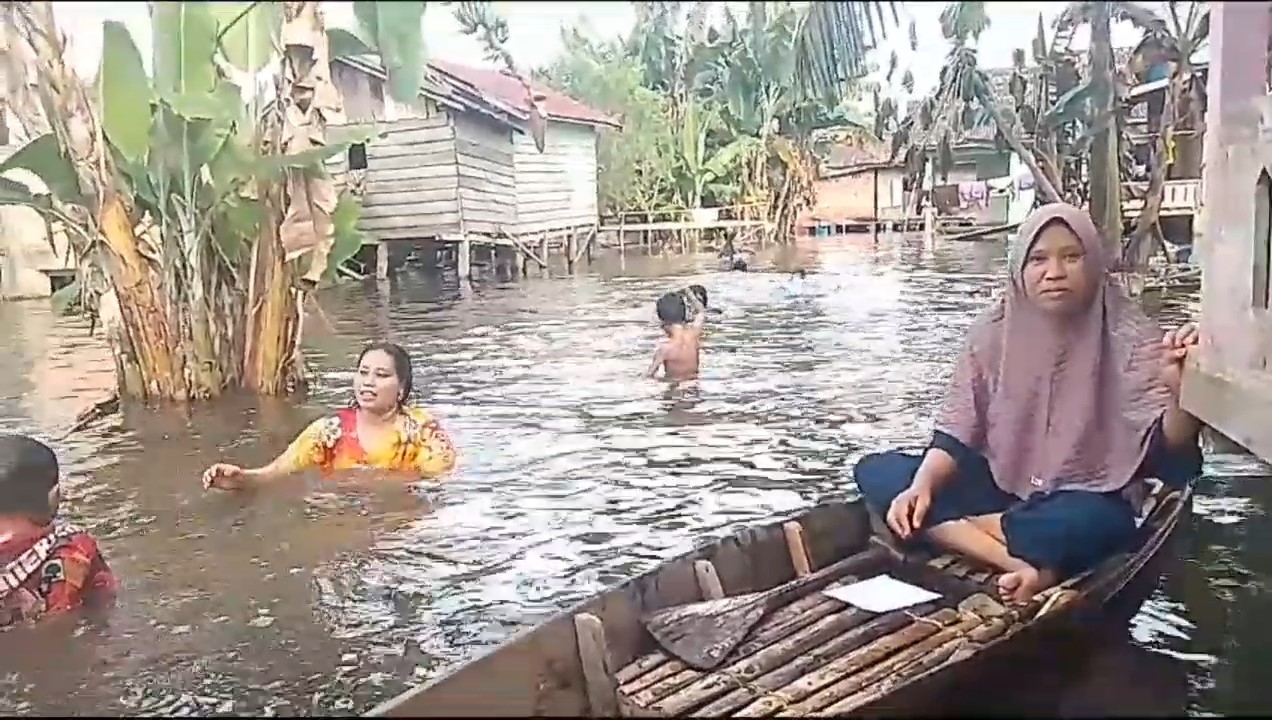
(701, 292)
(28, 473)
(671, 309)
(401, 366)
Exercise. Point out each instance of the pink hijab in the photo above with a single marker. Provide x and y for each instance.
(1058, 407)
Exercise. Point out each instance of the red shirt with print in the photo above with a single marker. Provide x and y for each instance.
(74, 574)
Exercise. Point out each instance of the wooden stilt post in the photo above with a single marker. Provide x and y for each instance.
(874, 227)
(569, 250)
(464, 262)
(543, 251)
(382, 260)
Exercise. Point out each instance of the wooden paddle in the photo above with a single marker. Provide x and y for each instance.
(702, 634)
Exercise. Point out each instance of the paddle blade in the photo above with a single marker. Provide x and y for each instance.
(703, 634)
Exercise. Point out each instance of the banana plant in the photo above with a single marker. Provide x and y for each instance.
(703, 169)
(202, 217)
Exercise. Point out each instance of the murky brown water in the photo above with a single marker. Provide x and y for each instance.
(576, 474)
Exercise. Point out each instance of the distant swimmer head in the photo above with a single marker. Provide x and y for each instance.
(383, 383)
(28, 478)
(671, 309)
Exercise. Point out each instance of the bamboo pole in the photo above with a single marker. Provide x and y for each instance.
(849, 665)
(692, 687)
(841, 645)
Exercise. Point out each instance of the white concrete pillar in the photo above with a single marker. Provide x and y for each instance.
(464, 259)
(382, 261)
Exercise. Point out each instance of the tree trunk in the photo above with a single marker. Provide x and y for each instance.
(1146, 238)
(149, 364)
(161, 367)
(1106, 206)
(1008, 129)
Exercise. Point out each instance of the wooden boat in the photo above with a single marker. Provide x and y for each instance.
(799, 652)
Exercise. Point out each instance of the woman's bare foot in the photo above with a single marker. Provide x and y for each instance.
(1021, 585)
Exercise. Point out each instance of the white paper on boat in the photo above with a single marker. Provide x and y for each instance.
(881, 593)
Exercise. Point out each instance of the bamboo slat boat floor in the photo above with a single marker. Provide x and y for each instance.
(819, 656)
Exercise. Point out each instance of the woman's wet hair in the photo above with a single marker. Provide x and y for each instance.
(401, 366)
(28, 473)
(701, 292)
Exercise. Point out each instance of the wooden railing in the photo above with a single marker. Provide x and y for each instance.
(1181, 197)
(751, 211)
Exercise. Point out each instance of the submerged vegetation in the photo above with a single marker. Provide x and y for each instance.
(196, 196)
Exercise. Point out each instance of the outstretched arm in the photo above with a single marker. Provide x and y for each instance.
(306, 451)
(697, 311)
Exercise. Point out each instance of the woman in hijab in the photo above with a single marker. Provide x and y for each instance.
(379, 430)
(1064, 398)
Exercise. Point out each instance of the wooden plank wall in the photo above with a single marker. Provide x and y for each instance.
(411, 181)
(556, 189)
(487, 189)
(361, 94)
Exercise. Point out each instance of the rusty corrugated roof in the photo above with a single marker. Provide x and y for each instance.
(508, 90)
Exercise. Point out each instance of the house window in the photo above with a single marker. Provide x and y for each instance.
(1262, 239)
(358, 156)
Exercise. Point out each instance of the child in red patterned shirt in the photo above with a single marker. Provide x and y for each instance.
(43, 569)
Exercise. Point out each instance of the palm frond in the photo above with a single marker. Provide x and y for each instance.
(833, 40)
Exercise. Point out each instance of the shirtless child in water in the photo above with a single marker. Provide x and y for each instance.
(677, 354)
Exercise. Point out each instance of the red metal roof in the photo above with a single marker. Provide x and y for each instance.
(506, 89)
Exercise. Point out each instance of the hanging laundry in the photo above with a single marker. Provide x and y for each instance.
(1000, 184)
(972, 194)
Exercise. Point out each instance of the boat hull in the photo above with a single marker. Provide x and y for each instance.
(539, 672)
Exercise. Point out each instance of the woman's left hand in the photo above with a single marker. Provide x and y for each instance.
(1175, 347)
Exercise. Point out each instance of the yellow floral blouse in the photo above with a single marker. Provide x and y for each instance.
(331, 443)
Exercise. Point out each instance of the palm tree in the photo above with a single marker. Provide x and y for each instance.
(773, 75)
(965, 99)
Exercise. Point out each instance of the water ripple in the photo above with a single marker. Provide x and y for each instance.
(576, 474)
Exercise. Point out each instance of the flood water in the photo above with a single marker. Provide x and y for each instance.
(576, 474)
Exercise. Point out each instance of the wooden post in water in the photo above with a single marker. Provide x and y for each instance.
(464, 258)
(569, 251)
(382, 260)
(543, 252)
(874, 228)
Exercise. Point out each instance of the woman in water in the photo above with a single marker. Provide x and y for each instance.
(379, 430)
(1064, 398)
